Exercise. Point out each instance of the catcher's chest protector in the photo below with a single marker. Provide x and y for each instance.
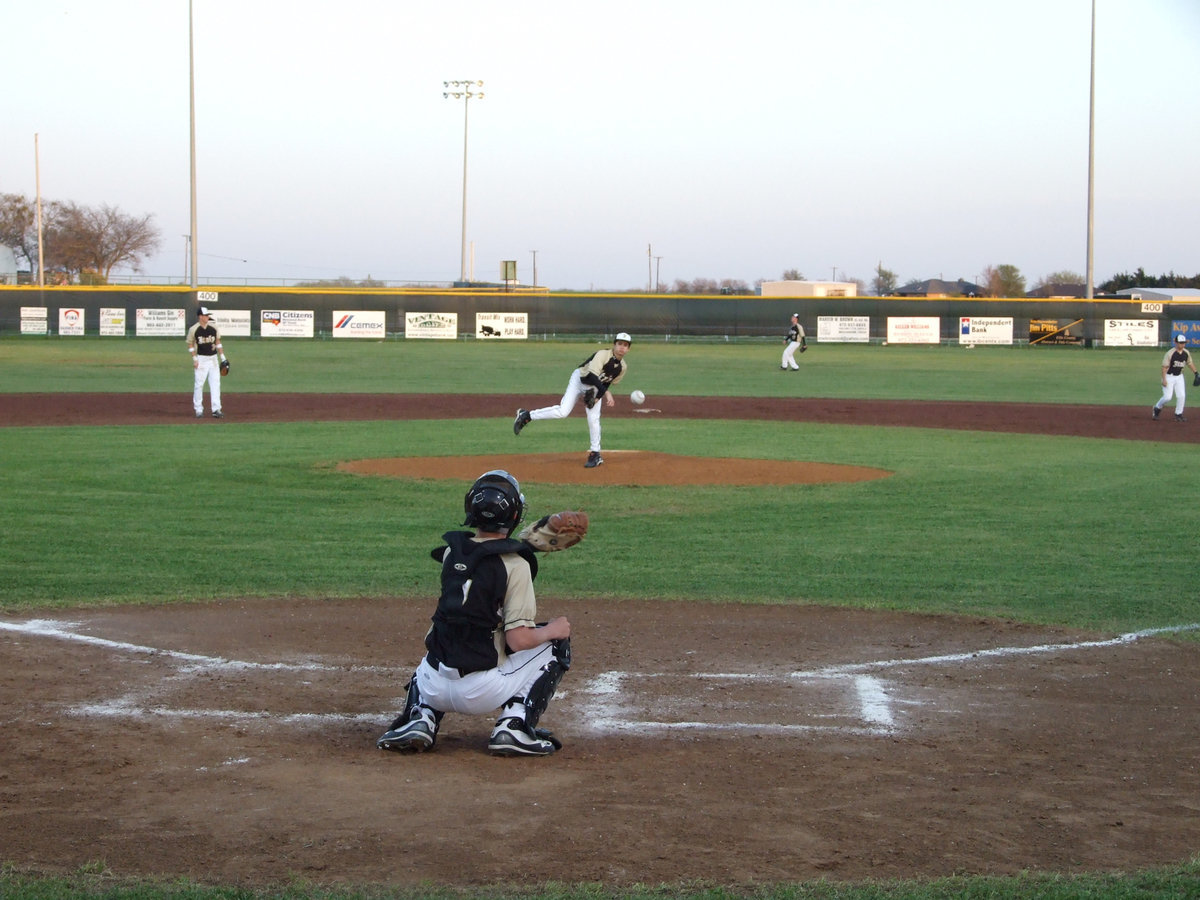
(474, 582)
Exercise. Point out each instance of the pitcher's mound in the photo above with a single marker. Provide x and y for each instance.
(631, 467)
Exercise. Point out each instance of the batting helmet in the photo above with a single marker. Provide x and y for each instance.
(494, 502)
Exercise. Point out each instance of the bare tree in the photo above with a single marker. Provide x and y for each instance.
(88, 243)
(793, 275)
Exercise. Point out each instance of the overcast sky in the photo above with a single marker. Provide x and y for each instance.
(737, 140)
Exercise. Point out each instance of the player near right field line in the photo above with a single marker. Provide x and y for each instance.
(591, 379)
(1172, 376)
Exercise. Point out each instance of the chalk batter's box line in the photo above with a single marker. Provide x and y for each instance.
(875, 706)
(873, 696)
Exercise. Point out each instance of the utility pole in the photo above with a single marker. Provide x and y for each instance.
(534, 252)
(649, 269)
(192, 130)
(657, 265)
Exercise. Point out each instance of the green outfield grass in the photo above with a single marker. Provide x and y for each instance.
(1018, 374)
(1072, 531)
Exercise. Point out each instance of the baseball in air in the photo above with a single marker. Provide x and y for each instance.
(638, 398)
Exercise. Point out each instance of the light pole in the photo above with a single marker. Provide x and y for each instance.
(463, 90)
(534, 252)
(657, 264)
(1091, 185)
(192, 142)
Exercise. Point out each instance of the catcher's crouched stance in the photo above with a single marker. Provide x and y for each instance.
(485, 649)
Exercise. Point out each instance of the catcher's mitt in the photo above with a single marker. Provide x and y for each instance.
(1196, 379)
(557, 531)
(224, 367)
(590, 396)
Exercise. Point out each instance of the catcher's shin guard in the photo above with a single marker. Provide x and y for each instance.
(541, 691)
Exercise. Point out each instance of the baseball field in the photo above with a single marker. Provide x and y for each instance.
(911, 622)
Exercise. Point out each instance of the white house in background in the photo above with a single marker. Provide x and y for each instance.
(1163, 295)
(8, 266)
(809, 289)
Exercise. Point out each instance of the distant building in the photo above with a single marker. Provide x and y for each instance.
(1163, 295)
(809, 289)
(8, 266)
(1060, 290)
(936, 287)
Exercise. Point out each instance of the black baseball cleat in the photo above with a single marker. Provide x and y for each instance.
(1179, 418)
(513, 737)
(523, 418)
(594, 459)
(218, 415)
(1156, 412)
(414, 736)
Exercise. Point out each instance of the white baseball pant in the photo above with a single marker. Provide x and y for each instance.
(481, 692)
(1174, 386)
(789, 356)
(570, 397)
(208, 368)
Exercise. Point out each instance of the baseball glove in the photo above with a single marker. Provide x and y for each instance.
(590, 396)
(1196, 379)
(557, 531)
(224, 367)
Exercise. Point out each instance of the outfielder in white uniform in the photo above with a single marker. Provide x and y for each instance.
(590, 380)
(204, 345)
(1172, 376)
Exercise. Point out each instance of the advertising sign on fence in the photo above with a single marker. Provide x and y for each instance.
(33, 320)
(1054, 331)
(985, 330)
(914, 330)
(112, 321)
(442, 326)
(1130, 332)
(160, 323)
(360, 324)
(1189, 329)
(70, 321)
(511, 326)
(844, 329)
(288, 323)
(232, 322)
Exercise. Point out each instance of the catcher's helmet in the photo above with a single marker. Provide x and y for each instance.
(494, 502)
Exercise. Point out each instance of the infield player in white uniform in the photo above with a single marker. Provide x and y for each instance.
(795, 341)
(204, 345)
(1172, 376)
(591, 380)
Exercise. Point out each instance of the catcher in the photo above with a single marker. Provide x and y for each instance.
(486, 648)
